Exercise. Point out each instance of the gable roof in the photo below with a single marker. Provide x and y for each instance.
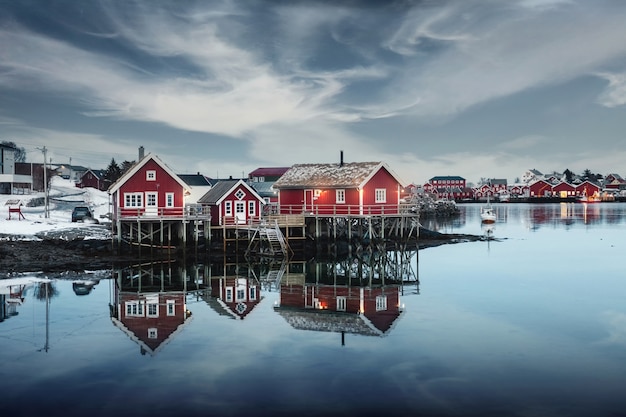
(138, 165)
(223, 188)
(194, 180)
(347, 175)
(269, 172)
(446, 178)
(98, 173)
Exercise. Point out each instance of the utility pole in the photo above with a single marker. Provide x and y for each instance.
(45, 181)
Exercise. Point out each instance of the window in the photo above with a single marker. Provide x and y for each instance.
(228, 208)
(134, 308)
(151, 199)
(229, 294)
(240, 194)
(341, 303)
(252, 293)
(150, 175)
(240, 207)
(169, 200)
(153, 333)
(381, 195)
(171, 307)
(381, 303)
(133, 200)
(340, 196)
(251, 208)
(153, 310)
(241, 294)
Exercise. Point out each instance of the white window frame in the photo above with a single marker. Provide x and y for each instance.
(381, 303)
(153, 333)
(228, 294)
(341, 303)
(134, 308)
(151, 195)
(340, 196)
(171, 307)
(380, 195)
(253, 293)
(151, 175)
(241, 294)
(228, 208)
(133, 200)
(169, 200)
(240, 194)
(251, 208)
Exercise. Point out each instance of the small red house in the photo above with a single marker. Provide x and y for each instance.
(149, 188)
(94, 178)
(232, 202)
(540, 188)
(564, 190)
(587, 188)
(357, 188)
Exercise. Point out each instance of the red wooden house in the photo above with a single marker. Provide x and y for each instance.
(357, 188)
(564, 190)
(94, 178)
(232, 202)
(540, 188)
(149, 188)
(150, 319)
(236, 296)
(589, 189)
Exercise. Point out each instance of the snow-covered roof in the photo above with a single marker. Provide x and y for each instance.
(346, 175)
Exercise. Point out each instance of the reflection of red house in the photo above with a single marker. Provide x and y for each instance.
(235, 296)
(232, 202)
(150, 319)
(149, 188)
(346, 188)
(362, 310)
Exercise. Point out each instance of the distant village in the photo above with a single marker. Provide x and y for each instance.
(18, 176)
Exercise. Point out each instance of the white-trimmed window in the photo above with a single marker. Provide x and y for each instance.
(228, 208)
(241, 294)
(341, 303)
(251, 208)
(340, 196)
(153, 333)
(171, 307)
(169, 199)
(240, 194)
(229, 294)
(133, 200)
(152, 306)
(151, 199)
(150, 175)
(252, 293)
(381, 303)
(381, 195)
(134, 308)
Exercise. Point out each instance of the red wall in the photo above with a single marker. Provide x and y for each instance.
(164, 183)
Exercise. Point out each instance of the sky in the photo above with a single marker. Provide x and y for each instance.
(475, 88)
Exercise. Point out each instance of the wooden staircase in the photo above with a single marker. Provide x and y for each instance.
(269, 240)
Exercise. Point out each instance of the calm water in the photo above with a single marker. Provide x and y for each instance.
(532, 323)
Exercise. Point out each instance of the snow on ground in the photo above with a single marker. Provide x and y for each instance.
(63, 197)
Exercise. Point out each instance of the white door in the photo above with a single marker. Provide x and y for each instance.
(240, 212)
(308, 201)
(152, 203)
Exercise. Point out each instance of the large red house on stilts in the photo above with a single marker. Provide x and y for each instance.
(356, 188)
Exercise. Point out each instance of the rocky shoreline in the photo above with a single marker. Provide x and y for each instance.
(53, 254)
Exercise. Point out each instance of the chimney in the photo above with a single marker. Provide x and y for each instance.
(340, 158)
(141, 152)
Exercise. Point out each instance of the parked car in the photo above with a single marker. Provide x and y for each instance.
(81, 213)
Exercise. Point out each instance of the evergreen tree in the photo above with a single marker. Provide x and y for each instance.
(113, 171)
(569, 175)
(125, 166)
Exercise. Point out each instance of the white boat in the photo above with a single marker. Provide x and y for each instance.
(487, 213)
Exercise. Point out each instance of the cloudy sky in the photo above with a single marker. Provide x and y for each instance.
(476, 88)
